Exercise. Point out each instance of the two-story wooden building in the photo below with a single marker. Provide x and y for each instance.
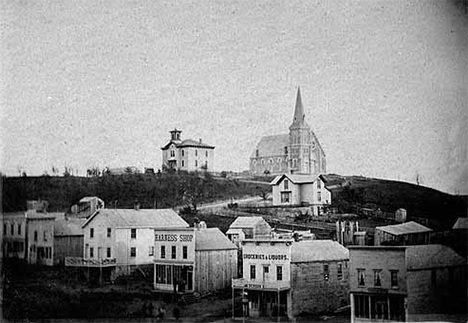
(406, 283)
(117, 241)
(300, 190)
(284, 277)
(193, 260)
(248, 227)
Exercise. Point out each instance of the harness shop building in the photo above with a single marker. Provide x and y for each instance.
(188, 260)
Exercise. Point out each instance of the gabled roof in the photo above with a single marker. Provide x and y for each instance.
(271, 146)
(212, 239)
(157, 218)
(461, 223)
(430, 256)
(404, 228)
(68, 227)
(246, 222)
(318, 250)
(295, 178)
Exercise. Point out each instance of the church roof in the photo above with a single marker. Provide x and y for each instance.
(299, 115)
(272, 145)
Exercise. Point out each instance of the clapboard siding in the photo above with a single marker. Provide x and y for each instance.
(214, 269)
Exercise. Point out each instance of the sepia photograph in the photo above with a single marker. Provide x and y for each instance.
(234, 161)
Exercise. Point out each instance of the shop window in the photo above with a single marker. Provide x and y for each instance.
(379, 307)
(184, 252)
(326, 272)
(361, 306)
(91, 252)
(133, 233)
(252, 272)
(91, 232)
(109, 232)
(339, 274)
(360, 276)
(163, 252)
(279, 273)
(133, 252)
(434, 277)
(377, 278)
(173, 252)
(394, 278)
(151, 251)
(109, 254)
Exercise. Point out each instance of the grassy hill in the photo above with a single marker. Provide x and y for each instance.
(419, 201)
(158, 190)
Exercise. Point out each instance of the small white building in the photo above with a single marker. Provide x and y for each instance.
(117, 241)
(247, 227)
(300, 190)
(188, 260)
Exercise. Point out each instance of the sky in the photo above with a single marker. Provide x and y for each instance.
(101, 83)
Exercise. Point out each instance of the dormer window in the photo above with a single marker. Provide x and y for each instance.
(286, 184)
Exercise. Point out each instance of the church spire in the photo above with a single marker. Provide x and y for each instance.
(299, 116)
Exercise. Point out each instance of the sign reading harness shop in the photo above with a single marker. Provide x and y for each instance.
(174, 237)
(254, 256)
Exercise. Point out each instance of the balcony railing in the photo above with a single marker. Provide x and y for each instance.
(253, 284)
(86, 262)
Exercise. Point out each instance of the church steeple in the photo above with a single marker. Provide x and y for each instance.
(299, 115)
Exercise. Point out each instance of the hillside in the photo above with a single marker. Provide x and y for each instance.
(419, 201)
(159, 190)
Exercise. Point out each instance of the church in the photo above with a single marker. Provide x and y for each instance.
(298, 152)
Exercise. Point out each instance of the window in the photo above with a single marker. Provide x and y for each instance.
(326, 272)
(133, 252)
(45, 235)
(377, 279)
(163, 252)
(184, 252)
(319, 184)
(433, 277)
(4, 229)
(286, 150)
(394, 278)
(206, 153)
(196, 152)
(361, 306)
(286, 184)
(133, 233)
(285, 197)
(19, 229)
(35, 235)
(183, 163)
(279, 273)
(91, 232)
(279, 160)
(151, 251)
(257, 153)
(109, 232)
(339, 274)
(108, 252)
(196, 163)
(252, 271)
(263, 162)
(91, 252)
(173, 252)
(360, 276)
(12, 229)
(182, 153)
(319, 196)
